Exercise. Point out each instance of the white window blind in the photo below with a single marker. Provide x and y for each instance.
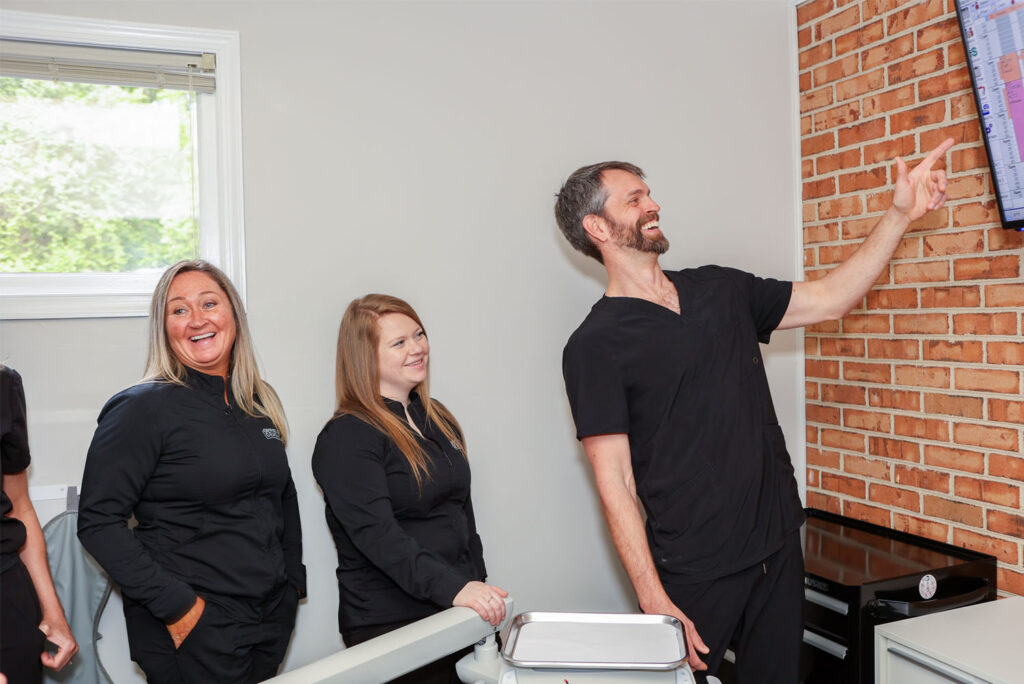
(107, 65)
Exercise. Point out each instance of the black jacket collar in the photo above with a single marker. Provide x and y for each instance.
(208, 384)
(416, 408)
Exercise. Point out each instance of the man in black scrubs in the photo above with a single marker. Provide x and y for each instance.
(667, 388)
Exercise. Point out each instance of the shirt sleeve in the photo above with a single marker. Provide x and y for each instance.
(768, 300)
(124, 452)
(13, 440)
(348, 464)
(594, 387)
(291, 539)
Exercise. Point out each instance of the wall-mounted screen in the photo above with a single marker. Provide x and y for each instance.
(993, 33)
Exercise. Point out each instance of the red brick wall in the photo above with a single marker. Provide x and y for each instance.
(914, 400)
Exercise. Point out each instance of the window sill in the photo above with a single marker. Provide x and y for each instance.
(75, 295)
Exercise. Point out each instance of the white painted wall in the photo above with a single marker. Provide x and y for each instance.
(414, 148)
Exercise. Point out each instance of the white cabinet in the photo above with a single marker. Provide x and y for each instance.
(982, 644)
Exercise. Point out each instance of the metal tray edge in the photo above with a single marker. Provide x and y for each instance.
(628, 618)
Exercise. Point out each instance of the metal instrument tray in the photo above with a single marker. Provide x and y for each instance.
(595, 641)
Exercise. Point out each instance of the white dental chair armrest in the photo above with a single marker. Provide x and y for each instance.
(398, 652)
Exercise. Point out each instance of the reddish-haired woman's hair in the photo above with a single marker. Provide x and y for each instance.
(357, 380)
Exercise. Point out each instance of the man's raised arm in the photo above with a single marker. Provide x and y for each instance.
(833, 296)
(613, 470)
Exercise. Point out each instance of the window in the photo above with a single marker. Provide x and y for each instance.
(120, 153)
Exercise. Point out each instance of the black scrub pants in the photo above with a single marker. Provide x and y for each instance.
(441, 671)
(21, 642)
(234, 642)
(758, 610)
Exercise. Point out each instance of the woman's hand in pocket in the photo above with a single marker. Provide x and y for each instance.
(182, 628)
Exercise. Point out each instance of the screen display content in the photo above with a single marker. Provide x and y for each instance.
(993, 33)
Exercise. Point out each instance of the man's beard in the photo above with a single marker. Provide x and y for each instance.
(632, 237)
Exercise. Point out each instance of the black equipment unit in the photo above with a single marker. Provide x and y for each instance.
(858, 575)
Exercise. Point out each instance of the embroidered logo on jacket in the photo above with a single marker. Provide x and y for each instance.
(272, 433)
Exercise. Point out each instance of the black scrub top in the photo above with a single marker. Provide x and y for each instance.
(404, 551)
(14, 458)
(210, 487)
(690, 391)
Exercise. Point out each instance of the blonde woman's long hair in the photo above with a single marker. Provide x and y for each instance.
(357, 380)
(255, 396)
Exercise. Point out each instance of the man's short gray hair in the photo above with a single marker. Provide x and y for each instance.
(582, 194)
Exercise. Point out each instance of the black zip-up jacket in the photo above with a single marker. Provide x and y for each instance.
(210, 488)
(403, 552)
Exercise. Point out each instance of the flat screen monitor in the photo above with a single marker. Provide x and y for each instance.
(993, 33)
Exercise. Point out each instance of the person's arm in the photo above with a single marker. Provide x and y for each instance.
(124, 453)
(291, 539)
(33, 555)
(609, 456)
(835, 295)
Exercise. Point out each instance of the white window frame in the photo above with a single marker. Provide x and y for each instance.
(221, 208)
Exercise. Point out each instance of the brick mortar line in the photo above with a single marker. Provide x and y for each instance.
(888, 87)
(925, 466)
(916, 388)
(959, 201)
(951, 492)
(955, 365)
(859, 52)
(882, 90)
(910, 261)
(885, 40)
(946, 231)
(923, 441)
(891, 508)
(890, 359)
(855, 383)
(948, 337)
(843, 382)
(952, 121)
(965, 365)
(887, 165)
(886, 36)
(920, 466)
(978, 199)
(835, 11)
(929, 259)
(910, 414)
(888, 187)
(886, 507)
(891, 411)
(955, 311)
(884, 115)
(891, 287)
(943, 284)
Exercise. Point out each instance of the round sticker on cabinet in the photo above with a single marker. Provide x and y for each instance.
(927, 586)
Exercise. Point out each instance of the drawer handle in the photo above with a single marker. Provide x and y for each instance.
(827, 602)
(827, 645)
(932, 664)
